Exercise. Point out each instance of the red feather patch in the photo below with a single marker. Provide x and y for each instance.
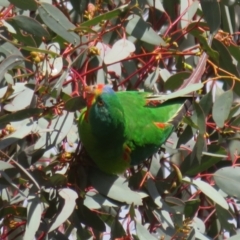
(160, 125)
(126, 153)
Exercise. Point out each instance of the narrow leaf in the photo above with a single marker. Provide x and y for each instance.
(189, 89)
(222, 107)
(57, 22)
(114, 187)
(214, 20)
(143, 233)
(25, 4)
(139, 29)
(106, 16)
(69, 197)
(209, 191)
(34, 211)
(228, 179)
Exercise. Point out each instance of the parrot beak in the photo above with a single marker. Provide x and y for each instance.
(88, 89)
(91, 92)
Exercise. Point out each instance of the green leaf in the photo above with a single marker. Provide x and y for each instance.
(164, 217)
(189, 89)
(34, 211)
(191, 208)
(25, 39)
(60, 126)
(13, 185)
(154, 192)
(177, 207)
(228, 179)
(139, 29)
(69, 196)
(187, 133)
(22, 129)
(214, 20)
(198, 148)
(14, 211)
(26, 173)
(75, 104)
(234, 112)
(200, 118)
(5, 165)
(189, 14)
(226, 62)
(120, 50)
(156, 4)
(209, 191)
(9, 49)
(33, 49)
(151, 79)
(132, 212)
(206, 103)
(164, 74)
(235, 237)
(106, 16)
(82, 232)
(235, 51)
(114, 187)
(57, 180)
(96, 201)
(21, 101)
(235, 122)
(222, 107)
(143, 233)
(25, 4)
(214, 155)
(9, 63)
(176, 80)
(20, 115)
(234, 146)
(194, 29)
(129, 66)
(89, 218)
(29, 25)
(199, 225)
(225, 217)
(58, 22)
(117, 230)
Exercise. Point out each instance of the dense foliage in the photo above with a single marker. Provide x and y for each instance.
(49, 187)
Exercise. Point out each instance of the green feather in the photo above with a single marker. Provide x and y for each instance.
(120, 129)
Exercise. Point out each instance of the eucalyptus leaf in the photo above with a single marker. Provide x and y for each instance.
(58, 22)
(227, 179)
(213, 20)
(69, 196)
(34, 211)
(143, 233)
(114, 187)
(29, 25)
(210, 192)
(59, 128)
(179, 93)
(138, 28)
(9, 63)
(25, 4)
(96, 201)
(109, 15)
(220, 113)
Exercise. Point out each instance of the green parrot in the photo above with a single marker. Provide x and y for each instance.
(122, 129)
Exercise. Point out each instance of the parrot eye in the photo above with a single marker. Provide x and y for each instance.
(100, 102)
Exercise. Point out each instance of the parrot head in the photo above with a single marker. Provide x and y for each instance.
(94, 93)
(104, 111)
